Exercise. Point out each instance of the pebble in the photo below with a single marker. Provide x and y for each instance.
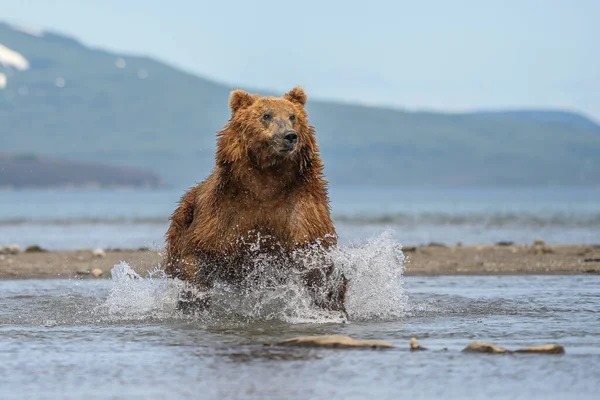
(98, 253)
(541, 250)
(10, 249)
(436, 244)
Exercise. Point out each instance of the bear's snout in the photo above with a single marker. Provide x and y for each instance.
(285, 142)
(290, 137)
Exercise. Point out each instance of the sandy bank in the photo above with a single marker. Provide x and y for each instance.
(424, 260)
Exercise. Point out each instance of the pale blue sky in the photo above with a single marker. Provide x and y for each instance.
(444, 55)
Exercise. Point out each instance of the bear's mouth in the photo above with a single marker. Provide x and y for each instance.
(285, 150)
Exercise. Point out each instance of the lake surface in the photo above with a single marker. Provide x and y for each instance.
(130, 219)
(121, 338)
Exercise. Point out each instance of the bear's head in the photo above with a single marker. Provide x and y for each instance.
(267, 131)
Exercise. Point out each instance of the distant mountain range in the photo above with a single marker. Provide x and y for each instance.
(27, 171)
(60, 98)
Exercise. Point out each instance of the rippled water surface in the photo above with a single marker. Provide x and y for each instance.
(76, 219)
(122, 338)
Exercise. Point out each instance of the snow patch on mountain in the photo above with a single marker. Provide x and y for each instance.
(30, 30)
(12, 59)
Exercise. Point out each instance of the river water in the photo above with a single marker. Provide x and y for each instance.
(76, 219)
(122, 338)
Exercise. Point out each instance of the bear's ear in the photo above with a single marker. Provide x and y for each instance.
(296, 95)
(240, 99)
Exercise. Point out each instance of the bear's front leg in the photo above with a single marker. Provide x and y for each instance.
(327, 287)
(202, 269)
(177, 234)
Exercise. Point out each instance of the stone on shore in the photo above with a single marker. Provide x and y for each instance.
(35, 249)
(98, 253)
(97, 272)
(11, 249)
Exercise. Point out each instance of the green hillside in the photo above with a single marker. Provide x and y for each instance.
(87, 104)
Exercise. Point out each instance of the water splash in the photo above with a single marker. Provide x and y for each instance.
(134, 297)
(375, 289)
(375, 271)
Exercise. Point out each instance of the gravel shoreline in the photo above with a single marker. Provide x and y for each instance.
(505, 259)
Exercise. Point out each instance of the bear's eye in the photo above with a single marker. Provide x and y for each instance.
(292, 117)
(267, 117)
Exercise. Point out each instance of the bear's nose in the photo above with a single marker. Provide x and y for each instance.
(291, 137)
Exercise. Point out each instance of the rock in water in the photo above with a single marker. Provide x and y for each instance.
(415, 346)
(481, 347)
(98, 253)
(333, 341)
(544, 349)
(97, 272)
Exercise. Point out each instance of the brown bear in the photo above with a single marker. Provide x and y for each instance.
(267, 186)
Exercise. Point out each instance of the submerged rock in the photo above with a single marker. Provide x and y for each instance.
(332, 341)
(482, 347)
(545, 348)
